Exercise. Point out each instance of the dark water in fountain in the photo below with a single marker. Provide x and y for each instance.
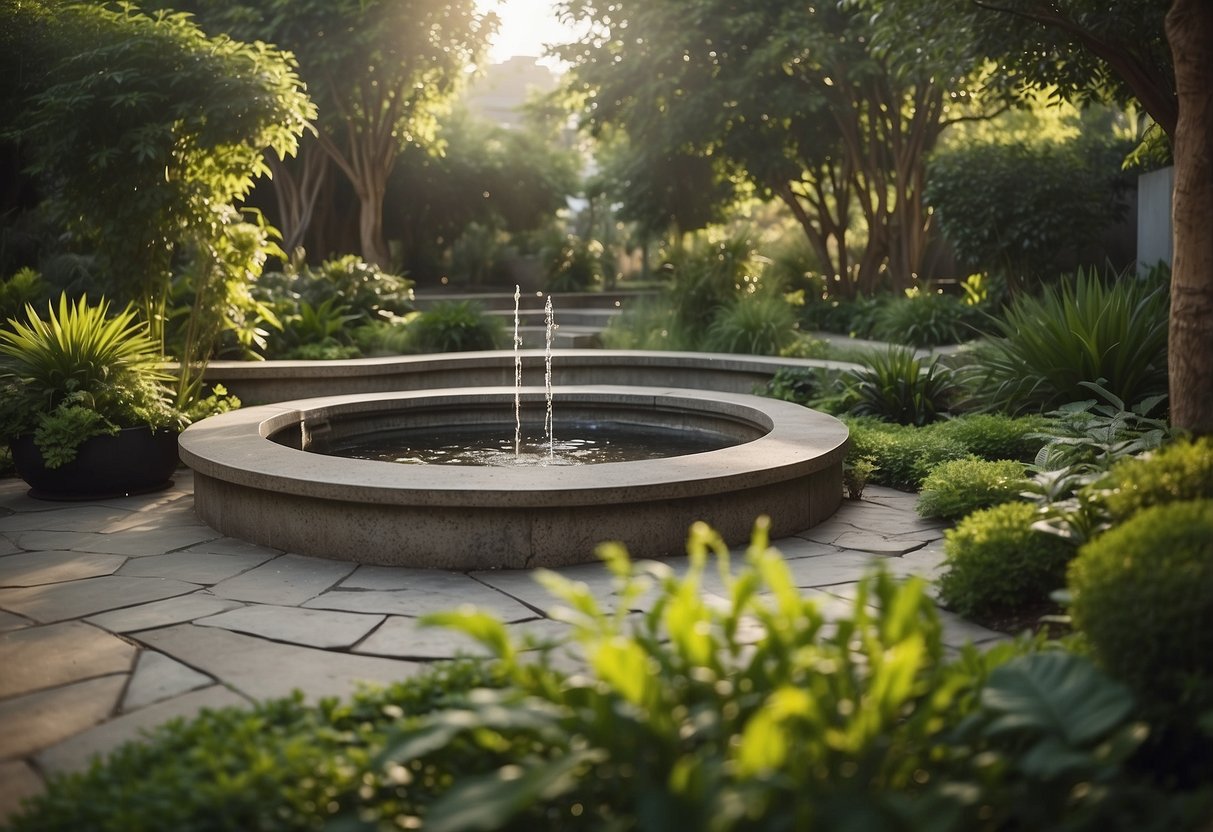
(483, 445)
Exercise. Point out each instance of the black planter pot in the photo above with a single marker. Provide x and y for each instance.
(135, 461)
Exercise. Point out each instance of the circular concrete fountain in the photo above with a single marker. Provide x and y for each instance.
(787, 464)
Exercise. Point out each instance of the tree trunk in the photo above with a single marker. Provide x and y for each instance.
(370, 223)
(1190, 34)
(297, 184)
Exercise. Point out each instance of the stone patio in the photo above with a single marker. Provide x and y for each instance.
(118, 615)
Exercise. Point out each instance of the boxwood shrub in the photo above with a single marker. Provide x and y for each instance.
(962, 486)
(997, 564)
(1143, 595)
(1180, 471)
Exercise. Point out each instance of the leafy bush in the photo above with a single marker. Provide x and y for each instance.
(961, 486)
(313, 332)
(650, 324)
(1182, 470)
(897, 386)
(997, 563)
(320, 307)
(1083, 443)
(709, 277)
(796, 384)
(455, 326)
(1143, 596)
(280, 765)
(856, 317)
(475, 253)
(24, 288)
(1094, 436)
(761, 324)
(1108, 332)
(1032, 210)
(574, 266)
(690, 718)
(926, 319)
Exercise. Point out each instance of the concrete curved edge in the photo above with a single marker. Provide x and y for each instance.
(477, 518)
(260, 382)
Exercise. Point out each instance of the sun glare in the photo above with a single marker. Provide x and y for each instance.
(527, 27)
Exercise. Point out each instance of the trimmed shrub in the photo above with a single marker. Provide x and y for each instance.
(998, 564)
(962, 486)
(1180, 471)
(1034, 210)
(903, 455)
(996, 436)
(1143, 596)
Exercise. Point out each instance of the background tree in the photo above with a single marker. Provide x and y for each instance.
(379, 71)
(511, 180)
(796, 99)
(1159, 52)
(144, 132)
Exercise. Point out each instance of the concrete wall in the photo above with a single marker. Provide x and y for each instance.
(1154, 217)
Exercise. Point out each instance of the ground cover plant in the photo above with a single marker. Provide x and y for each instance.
(904, 455)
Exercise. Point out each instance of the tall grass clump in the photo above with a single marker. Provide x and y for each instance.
(1109, 331)
(898, 386)
(761, 324)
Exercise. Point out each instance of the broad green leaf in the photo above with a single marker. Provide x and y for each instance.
(1057, 694)
(626, 667)
(488, 802)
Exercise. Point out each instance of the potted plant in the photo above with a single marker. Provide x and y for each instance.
(84, 403)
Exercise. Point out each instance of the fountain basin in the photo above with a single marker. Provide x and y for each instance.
(788, 465)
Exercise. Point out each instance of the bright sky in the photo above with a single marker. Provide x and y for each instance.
(526, 26)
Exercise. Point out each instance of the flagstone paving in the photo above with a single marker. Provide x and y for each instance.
(118, 615)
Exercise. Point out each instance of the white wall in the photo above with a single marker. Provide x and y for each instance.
(1154, 217)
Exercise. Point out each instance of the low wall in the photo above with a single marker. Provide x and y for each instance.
(265, 382)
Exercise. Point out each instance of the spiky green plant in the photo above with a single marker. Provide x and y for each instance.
(81, 357)
(762, 324)
(898, 386)
(1086, 329)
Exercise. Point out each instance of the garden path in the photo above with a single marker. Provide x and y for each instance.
(118, 615)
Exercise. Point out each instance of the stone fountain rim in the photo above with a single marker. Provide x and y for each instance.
(234, 447)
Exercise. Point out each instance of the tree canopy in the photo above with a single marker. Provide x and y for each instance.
(143, 130)
(379, 71)
(793, 95)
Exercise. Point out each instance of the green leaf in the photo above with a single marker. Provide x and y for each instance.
(1055, 694)
(488, 802)
(481, 626)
